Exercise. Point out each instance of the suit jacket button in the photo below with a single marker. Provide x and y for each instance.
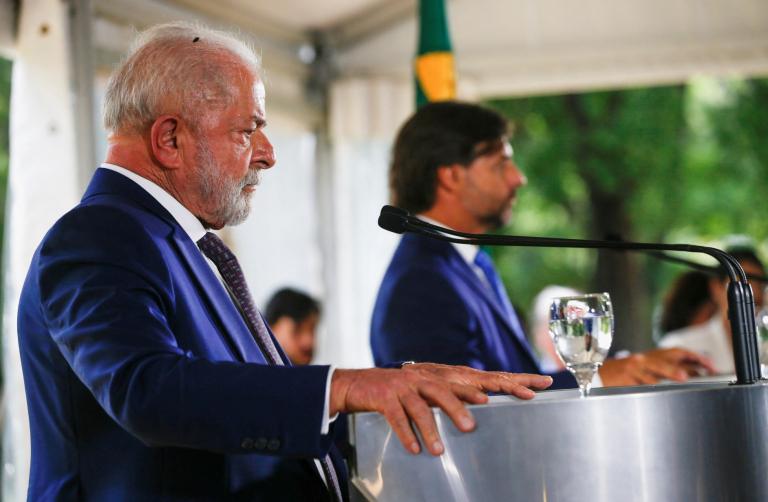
(247, 444)
(260, 443)
(274, 445)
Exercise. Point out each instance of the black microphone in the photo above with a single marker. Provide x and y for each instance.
(393, 219)
(741, 303)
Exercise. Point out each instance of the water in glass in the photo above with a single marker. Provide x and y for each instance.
(582, 329)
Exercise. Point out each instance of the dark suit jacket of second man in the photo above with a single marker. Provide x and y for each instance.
(433, 307)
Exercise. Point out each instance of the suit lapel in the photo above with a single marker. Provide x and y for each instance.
(470, 277)
(234, 329)
(462, 268)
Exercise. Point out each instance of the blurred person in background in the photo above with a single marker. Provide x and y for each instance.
(293, 316)
(713, 337)
(452, 165)
(688, 302)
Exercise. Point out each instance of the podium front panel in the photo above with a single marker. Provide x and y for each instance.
(690, 442)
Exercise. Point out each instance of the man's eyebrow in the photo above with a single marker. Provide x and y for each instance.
(259, 121)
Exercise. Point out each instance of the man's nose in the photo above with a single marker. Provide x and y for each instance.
(263, 152)
(516, 177)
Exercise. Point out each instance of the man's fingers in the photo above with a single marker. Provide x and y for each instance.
(683, 356)
(661, 369)
(515, 385)
(469, 394)
(643, 377)
(538, 382)
(446, 398)
(399, 422)
(418, 410)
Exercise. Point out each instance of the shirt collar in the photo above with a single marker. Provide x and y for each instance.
(467, 251)
(183, 216)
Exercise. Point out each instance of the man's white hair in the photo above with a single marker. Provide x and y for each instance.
(173, 68)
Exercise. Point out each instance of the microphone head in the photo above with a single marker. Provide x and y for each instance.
(393, 219)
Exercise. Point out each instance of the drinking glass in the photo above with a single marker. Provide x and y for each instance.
(581, 328)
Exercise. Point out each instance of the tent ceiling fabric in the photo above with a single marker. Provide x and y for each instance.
(542, 46)
(505, 47)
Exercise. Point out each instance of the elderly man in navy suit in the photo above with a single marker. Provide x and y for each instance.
(149, 372)
(452, 165)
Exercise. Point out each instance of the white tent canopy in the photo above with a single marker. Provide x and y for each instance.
(338, 76)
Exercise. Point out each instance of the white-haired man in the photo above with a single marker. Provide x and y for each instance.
(150, 376)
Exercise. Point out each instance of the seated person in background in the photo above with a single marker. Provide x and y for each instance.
(687, 303)
(442, 302)
(713, 338)
(293, 317)
(542, 341)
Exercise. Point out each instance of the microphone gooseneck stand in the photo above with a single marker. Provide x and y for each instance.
(741, 303)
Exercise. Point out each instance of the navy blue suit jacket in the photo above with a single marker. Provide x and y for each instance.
(433, 307)
(142, 380)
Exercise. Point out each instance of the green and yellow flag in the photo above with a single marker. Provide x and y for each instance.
(434, 69)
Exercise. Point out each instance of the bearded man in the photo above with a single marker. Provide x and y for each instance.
(452, 165)
(149, 372)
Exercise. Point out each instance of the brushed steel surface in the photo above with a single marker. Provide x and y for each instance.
(691, 442)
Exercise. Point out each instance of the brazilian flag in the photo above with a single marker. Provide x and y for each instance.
(435, 77)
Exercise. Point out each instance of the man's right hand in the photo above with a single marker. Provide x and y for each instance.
(650, 367)
(406, 394)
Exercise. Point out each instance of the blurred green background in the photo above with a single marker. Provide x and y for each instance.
(679, 164)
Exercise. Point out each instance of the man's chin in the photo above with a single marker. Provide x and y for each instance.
(495, 222)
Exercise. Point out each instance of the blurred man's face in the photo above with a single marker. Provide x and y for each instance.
(297, 338)
(491, 184)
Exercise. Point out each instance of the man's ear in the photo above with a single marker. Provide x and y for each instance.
(450, 177)
(164, 144)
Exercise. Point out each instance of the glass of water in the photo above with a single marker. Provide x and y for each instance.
(581, 328)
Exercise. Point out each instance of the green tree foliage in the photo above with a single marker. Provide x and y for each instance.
(5, 98)
(681, 163)
(5, 95)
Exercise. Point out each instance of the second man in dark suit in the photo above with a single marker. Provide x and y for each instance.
(452, 165)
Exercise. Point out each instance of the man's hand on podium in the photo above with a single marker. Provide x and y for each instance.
(650, 367)
(406, 394)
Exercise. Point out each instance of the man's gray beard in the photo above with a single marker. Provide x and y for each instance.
(225, 196)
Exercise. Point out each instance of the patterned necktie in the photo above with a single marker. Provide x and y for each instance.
(225, 261)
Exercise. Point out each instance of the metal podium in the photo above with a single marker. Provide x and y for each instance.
(676, 442)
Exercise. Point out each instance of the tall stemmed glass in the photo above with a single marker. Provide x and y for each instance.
(581, 328)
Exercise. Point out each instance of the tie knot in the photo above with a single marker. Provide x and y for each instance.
(483, 260)
(214, 248)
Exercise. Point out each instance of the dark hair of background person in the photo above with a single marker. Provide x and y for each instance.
(687, 296)
(438, 134)
(291, 303)
(743, 254)
(690, 294)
